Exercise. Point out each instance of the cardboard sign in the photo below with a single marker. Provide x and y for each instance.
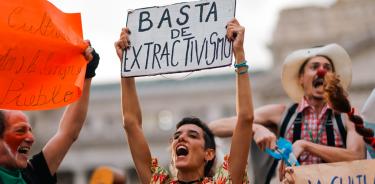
(178, 38)
(355, 172)
(41, 61)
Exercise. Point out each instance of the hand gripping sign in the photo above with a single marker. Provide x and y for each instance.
(41, 61)
(178, 38)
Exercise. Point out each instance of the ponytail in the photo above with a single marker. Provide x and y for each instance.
(338, 99)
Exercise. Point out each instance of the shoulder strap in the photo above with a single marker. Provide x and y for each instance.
(329, 130)
(341, 127)
(287, 118)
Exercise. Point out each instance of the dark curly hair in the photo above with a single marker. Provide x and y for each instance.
(209, 140)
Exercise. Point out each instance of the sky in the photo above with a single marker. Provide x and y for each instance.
(102, 21)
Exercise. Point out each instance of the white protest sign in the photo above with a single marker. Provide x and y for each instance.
(354, 172)
(178, 38)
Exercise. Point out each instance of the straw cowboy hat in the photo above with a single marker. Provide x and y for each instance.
(294, 61)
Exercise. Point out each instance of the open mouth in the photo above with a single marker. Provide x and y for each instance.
(318, 82)
(23, 150)
(182, 151)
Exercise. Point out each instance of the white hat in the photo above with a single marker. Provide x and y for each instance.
(294, 61)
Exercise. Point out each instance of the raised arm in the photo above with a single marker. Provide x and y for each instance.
(243, 131)
(72, 120)
(132, 118)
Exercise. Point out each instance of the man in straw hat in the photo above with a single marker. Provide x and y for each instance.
(318, 133)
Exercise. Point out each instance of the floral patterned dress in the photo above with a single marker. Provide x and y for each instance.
(162, 176)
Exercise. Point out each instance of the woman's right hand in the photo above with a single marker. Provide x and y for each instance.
(123, 42)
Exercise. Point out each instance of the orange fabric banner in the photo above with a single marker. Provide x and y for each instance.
(41, 60)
